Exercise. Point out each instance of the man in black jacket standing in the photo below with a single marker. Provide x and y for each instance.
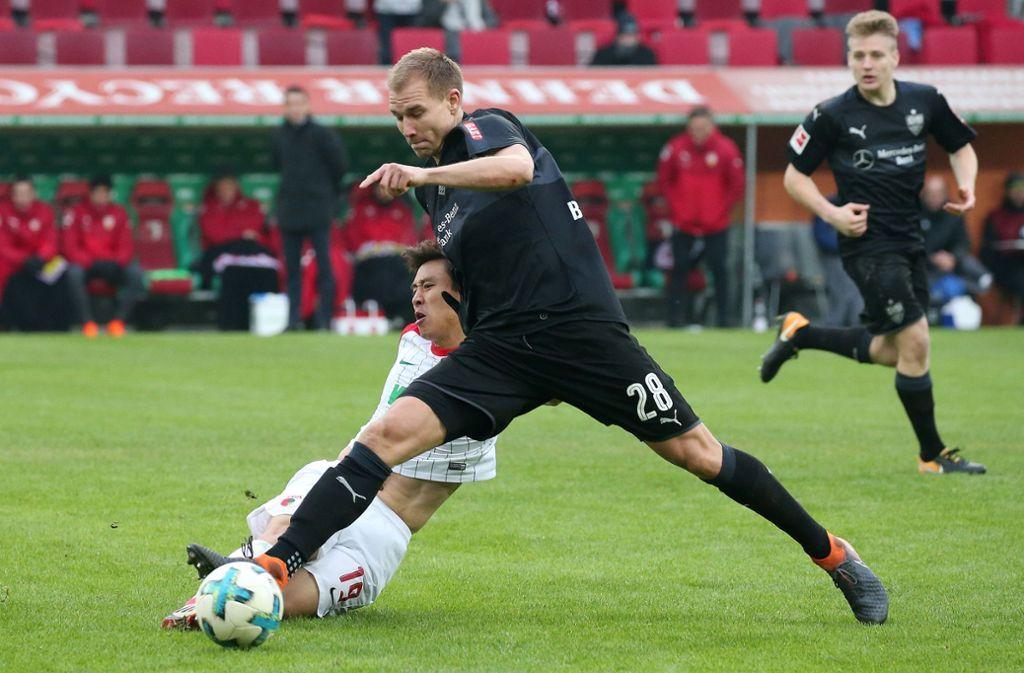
(311, 160)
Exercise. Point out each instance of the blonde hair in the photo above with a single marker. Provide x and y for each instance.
(440, 73)
(873, 22)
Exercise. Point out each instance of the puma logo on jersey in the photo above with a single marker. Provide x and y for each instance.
(344, 482)
(862, 132)
(674, 419)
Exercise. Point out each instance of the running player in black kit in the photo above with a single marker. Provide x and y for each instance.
(873, 136)
(543, 323)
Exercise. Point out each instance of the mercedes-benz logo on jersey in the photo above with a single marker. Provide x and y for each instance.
(863, 160)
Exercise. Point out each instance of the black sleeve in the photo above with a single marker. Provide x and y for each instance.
(812, 141)
(949, 130)
(489, 133)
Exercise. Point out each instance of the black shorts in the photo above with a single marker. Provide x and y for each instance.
(598, 367)
(894, 286)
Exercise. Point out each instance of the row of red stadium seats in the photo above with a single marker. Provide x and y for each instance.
(66, 14)
(554, 46)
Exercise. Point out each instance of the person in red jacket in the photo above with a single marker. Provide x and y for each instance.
(28, 241)
(1002, 248)
(700, 172)
(28, 237)
(230, 223)
(229, 215)
(377, 230)
(97, 242)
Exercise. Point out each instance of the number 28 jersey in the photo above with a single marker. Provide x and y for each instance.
(877, 155)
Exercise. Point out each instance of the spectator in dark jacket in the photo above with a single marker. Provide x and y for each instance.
(627, 49)
(952, 269)
(1003, 246)
(700, 172)
(311, 160)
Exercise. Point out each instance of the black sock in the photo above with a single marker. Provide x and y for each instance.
(340, 496)
(850, 342)
(746, 480)
(916, 394)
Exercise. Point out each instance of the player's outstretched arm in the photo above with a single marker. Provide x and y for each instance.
(508, 168)
(965, 168)
(850, 219)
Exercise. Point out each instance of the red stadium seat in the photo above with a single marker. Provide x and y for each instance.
(928, 11)
(710, 10)
(122, 12)
(256, 13)
(281, 46)
(216, 47)
(81, 47)
(18, 47)
(580, 10)
(1004, 44)
(352, 47)
(148, 46)
(818, 46)
(181, 13)
(519, 9)
(70, 193)
(949, 45)
(683, 46)
(404, 40)
(323, 14)
(603, 30)
(991, 10)
(665, 11)
(552, 46)
(153, 238)
(754, 46)
(778, 9)
(55, 15)
(486, 47)
(847, 6)
(525, 25)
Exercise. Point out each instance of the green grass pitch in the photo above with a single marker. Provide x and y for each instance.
(587, 553)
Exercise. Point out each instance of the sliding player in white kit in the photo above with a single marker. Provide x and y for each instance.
(352, 568)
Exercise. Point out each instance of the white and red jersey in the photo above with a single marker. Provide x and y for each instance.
(458, 461)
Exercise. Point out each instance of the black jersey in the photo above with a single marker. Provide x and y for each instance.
(525, 257)
(877, 155)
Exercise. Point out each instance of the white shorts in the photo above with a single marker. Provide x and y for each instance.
(352, 568)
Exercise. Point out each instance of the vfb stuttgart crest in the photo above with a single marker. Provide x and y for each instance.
(915, 122)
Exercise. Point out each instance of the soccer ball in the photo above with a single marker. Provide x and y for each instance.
(239, 605)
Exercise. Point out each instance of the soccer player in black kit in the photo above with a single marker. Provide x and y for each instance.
(873, 136)
(543, 323)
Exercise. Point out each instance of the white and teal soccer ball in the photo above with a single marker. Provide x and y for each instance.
(239, 605)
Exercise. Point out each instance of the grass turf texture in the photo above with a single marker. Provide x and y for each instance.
(586, 553)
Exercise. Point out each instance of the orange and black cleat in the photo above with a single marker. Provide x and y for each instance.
(948, 462)
(205, 561)
(115, 328)
(783, 348)
(90, 330)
